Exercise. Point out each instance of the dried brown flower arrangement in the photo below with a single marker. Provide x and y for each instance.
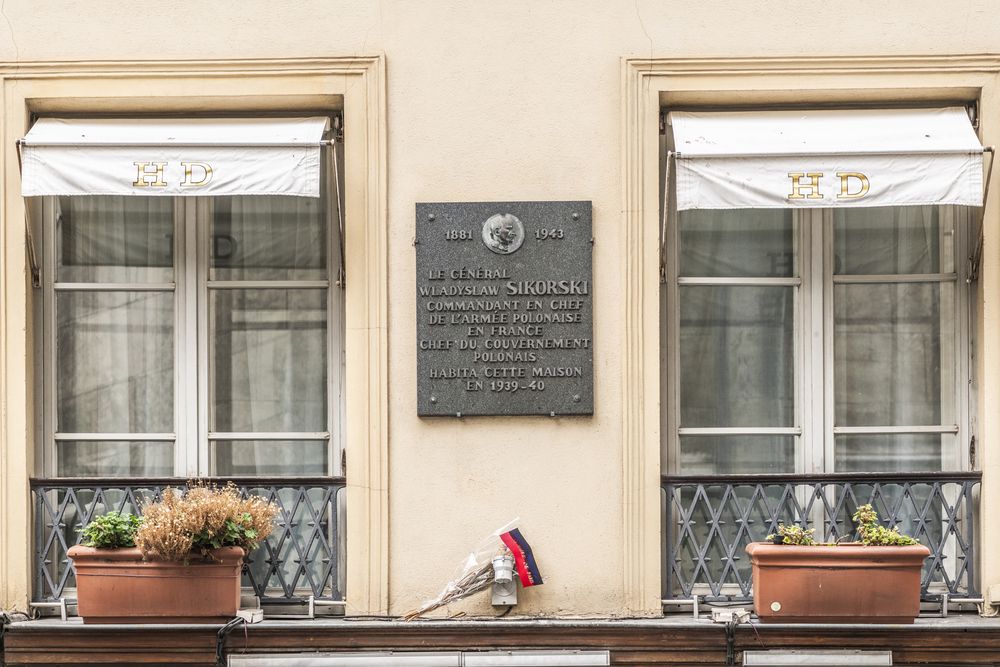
(203, 518)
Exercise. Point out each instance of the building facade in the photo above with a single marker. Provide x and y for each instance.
(466, 102)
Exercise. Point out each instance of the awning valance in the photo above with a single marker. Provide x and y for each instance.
(826, 158)
(173, 157)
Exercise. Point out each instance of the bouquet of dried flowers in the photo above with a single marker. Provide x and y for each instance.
(475, 574)
(201, 519)
(470, 583)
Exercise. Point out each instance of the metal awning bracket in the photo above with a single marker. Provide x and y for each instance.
(665, 213)
(341, 270)
(976, 258)
(36, 273)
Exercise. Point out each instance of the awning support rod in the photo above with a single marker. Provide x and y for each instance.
(118, 144)
(977, 254)
(712, 156)
(36, 273)
(663, 222)
(342, 271)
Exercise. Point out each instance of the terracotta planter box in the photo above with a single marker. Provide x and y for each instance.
(117, 586)
(849, 583)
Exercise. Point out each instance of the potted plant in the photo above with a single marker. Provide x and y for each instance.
(179, 563)
(876, 580)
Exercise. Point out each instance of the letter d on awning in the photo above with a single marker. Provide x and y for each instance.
(173, 157)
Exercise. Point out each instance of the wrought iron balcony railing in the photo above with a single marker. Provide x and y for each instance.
(303, 557)
(710, 519)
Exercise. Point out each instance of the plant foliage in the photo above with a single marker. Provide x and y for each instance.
(201, 519)
(792, 535)
(111, 531)
(874, 534)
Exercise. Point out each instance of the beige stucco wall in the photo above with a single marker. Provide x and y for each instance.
(517, 100)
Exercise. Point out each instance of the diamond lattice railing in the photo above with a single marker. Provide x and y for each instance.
(709, 520)
(302, 557)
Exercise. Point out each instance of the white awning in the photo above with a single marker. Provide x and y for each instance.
(826, 158)
(173, 157)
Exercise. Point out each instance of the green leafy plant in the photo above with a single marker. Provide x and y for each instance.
(112, 531)
(792, 535)
(874, 534)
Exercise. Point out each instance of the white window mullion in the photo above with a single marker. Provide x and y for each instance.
(804, 342)
(185, 391)
(963, 334)
(335, 338)
(49, 329)
(202, 217)
(672, 313)
(825, 373)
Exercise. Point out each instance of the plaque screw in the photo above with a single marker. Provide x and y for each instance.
(430, 217)
(434, 399)
(576, 216)
(576, 398)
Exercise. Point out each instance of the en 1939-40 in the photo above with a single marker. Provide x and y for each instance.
(513, 385)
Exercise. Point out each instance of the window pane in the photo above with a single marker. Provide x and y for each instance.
(894, 240)
(737, 356)
(897, 452)
(115, 459)
(268, 238)
(268, 360)
(737, 454)
(269, 457)
(893, 358)
(115, 239)
(752, 242)
(115, 362)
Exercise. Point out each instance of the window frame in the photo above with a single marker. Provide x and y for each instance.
(192, 219)
(815, 428)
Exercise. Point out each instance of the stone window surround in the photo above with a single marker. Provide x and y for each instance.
(649, 85)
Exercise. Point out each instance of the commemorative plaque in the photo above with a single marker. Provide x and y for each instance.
(504, 309)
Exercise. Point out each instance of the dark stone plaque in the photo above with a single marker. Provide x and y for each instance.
(504, 309)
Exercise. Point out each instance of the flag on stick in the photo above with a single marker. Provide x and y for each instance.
(524, 560)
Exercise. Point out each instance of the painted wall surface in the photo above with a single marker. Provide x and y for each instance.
(518, 100)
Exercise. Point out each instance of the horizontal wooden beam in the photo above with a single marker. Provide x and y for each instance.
(672, 641)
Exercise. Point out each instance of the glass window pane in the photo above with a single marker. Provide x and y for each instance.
(737, 356)
(115, 239)
(752, 242)
(268, 238)
(892, 240)
(893, 354)
(269, 457)
(737, 454)
(114, 459)
(115, 362)
(268, 360)
(897, 452)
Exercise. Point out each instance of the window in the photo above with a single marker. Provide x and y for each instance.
(817, 302)
(190, 336)
(819, 339)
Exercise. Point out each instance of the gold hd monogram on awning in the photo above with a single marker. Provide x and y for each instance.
(173, 157)
(826, 158)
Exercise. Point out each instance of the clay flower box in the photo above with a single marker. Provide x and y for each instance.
(845, 583)
(179, 563)
(118, 586)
